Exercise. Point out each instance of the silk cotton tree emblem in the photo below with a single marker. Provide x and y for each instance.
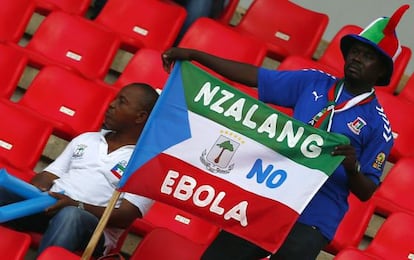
(219, 157)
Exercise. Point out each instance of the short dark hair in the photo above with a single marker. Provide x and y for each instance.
(150, 95)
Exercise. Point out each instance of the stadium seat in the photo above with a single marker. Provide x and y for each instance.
(162, 243)
(14, 245)
(161, 215)
(352, 253)
(399, 68)
(208, 35)
(353, 226)
(145, 66)
(211, 36)
(331, 60)
(295, 62)
(150, 23)
(394, 193)
(394, 240)
(23, 137)
(15, 16)
(12, 65)
(75, 7)
(407, 92)
(286, 28)
(72, 42)
(56, 252)
(332, 56)
(71, 103)
(399, 113)
(228, 12)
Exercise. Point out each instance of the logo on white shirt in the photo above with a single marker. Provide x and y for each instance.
(79, 151)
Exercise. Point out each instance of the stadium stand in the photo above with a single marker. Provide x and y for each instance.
(71, 42)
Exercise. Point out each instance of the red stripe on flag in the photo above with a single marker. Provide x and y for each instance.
(268, 221)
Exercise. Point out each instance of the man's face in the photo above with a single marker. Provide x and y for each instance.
(363, 64)
(124, 109)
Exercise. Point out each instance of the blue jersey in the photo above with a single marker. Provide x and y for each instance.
(366, 125)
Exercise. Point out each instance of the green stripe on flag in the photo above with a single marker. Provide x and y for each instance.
(214, 99)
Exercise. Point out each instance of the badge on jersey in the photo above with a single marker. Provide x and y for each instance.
(356, 125)
(379, 161)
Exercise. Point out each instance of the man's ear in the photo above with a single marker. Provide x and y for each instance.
(141, 117)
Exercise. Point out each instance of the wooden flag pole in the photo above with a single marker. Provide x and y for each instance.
(101, 226)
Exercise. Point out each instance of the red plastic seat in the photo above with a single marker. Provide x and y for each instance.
(72, 42)
(208, 35)
(394, 240)
(332, 56)
(399, 68)
(76, 7)
(56, 252)
(161, 215)
(394, 193)
(407, 92)
(12, 65)
(286, 28)
(295, 62)
(14, 18)
(228, 12)
(331, 60)
(399, 113)
(211, 36)
(14, 245)
(353, 226)
(150, 23)
(162, 243)
(23, 137)
(145, 66)
(352, 253)
(71, 103)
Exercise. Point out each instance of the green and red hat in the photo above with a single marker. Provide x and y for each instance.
(381, 35)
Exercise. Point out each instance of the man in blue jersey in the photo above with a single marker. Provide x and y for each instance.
(347, 106)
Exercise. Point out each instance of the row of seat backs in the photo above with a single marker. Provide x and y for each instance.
(155, 24)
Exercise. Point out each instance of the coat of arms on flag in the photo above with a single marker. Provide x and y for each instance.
(222, 155)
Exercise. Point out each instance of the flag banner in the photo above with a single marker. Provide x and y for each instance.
(222, 155)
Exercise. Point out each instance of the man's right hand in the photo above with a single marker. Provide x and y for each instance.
(173, 54)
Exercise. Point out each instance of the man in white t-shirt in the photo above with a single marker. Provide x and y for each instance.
(84, 177)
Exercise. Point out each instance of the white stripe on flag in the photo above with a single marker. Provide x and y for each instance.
(295, 192)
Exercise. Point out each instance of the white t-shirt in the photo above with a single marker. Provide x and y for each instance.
(89, 174)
